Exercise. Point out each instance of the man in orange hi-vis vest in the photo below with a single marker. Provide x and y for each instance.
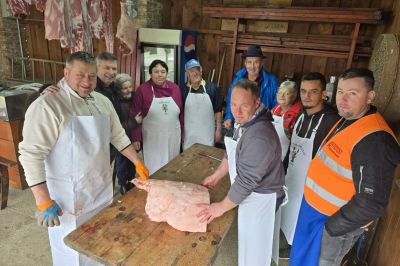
(349, 180)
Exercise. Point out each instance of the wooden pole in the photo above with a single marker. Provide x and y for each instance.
(353, 45)
(233, 52)
(138, 63)
(221, 66)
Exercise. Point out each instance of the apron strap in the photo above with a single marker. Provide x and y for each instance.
(314, 131)
(204, 89)
(152, 89)
(300, 120)
(309, 125)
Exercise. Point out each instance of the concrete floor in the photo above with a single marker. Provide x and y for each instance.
(23, 243)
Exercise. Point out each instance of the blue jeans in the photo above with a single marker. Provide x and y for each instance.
(334, 248)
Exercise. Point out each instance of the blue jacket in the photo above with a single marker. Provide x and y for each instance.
(268, 90)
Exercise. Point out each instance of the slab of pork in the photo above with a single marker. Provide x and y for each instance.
(175, 203)
(126, 31)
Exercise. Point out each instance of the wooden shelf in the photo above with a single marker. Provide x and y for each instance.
(307, 14)
(344, 47)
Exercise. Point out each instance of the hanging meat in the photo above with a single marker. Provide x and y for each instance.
(126, 30)
(73, 22)
(67, 21)
(21, 7)
(108, 34)
(175, 203)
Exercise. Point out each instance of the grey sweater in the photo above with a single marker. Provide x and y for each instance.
(258, 159)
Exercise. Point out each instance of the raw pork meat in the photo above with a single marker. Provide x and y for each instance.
(76, 22)
(106, 12)
(21, 7)
(126, 31)
(175, 203)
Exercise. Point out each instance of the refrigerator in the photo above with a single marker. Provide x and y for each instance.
(174, 47)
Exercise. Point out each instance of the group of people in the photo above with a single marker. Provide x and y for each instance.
(337, 166)
(320, 175)
(92, 117)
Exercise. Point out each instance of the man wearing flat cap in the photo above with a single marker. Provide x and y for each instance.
(203, 105)
(254, 71)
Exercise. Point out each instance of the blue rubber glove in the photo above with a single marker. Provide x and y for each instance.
(47, 214)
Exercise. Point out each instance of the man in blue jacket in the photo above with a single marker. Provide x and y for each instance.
(253, 70)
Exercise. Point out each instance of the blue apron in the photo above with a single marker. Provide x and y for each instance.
(308, 236)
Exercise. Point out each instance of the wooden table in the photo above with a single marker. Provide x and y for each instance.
(122, 234)
(4, 181)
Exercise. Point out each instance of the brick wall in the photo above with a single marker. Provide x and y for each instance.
(149, 13)
(9, 47)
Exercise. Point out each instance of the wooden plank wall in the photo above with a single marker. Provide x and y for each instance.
(186, 14)
(279, 64)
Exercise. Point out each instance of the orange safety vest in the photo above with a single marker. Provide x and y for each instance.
(329, 184)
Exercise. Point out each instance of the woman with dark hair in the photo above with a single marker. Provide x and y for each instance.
(160, 103)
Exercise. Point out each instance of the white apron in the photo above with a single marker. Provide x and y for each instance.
(79, 179)
(161, 131)
(299, 159)
(199, 119)
(256, 218)
(278, 124)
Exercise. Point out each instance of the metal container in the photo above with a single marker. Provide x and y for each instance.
(14, 103)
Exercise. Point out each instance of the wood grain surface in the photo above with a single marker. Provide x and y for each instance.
(122, 234)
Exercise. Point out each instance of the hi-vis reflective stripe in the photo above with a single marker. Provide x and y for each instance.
(324, 194)
(335, 166)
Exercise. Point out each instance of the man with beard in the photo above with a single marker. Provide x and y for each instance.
(311, 126)
(349, 180)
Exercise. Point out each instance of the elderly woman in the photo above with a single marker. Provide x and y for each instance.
(285, 113)
(125, 170)
(160, 103)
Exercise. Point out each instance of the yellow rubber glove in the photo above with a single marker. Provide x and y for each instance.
(142, 171)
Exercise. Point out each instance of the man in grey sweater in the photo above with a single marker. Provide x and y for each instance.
(253, 161)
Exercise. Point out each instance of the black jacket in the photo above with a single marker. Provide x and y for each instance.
(112, 94)
(328, 121)
(373, 162)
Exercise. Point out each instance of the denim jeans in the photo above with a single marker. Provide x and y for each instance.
(334, 248)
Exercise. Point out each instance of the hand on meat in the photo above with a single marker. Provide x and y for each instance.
(142, 184)
(210, 211)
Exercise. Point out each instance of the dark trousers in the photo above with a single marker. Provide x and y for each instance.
(125, 169)
(334, 248)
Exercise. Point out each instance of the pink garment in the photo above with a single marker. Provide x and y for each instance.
(143, 98)
(175, 203)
